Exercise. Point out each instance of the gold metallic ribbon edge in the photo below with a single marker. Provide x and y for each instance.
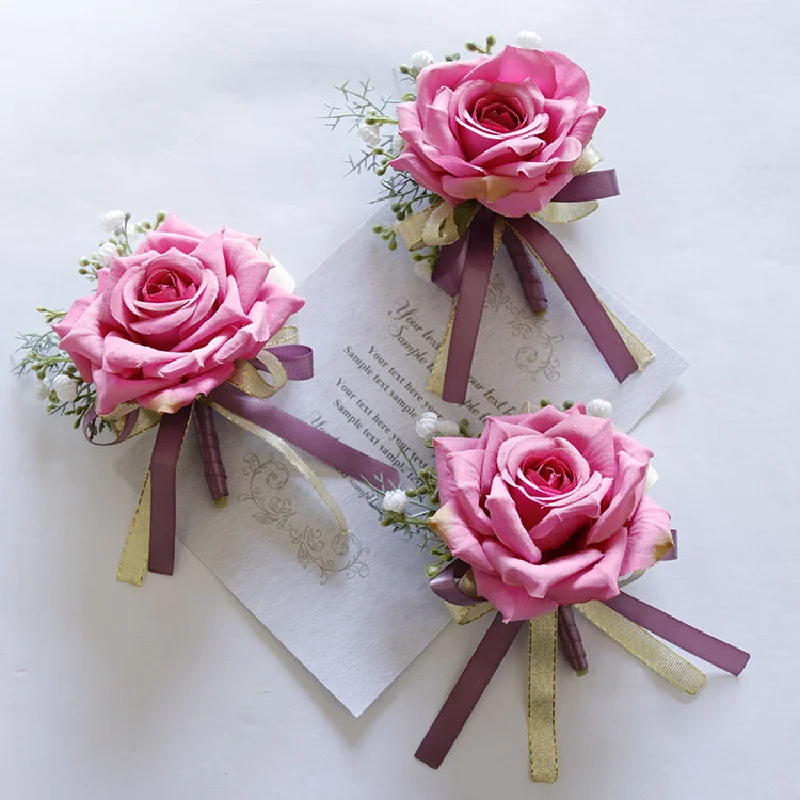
(641, 644)
(542, 655)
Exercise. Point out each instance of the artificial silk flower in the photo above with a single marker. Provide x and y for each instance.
(181, 326)
(543, 514)
(488, 144)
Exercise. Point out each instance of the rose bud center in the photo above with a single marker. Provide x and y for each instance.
(164, 286)
(499, 114)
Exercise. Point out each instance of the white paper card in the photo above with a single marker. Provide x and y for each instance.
(356, 611)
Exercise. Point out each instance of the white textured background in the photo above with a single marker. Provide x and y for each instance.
(208, 108)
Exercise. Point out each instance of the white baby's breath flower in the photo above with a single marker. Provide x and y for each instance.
(105, 253)
(42, 390)
(423, 270)
(113, 221)
(650, 478)
(599, 408)
(422, 59)
(398, 143)
(396, 501)
(529, 40)
(65, 387)
(426, 424)
(446, 427)
(370, 134)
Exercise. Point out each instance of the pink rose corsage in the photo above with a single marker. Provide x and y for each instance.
(181, 324)
(486, 150)
(545, 512)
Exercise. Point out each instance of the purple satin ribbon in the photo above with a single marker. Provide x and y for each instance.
(468, 690)
(464, 267)
(89, 425)
(298, 361)
(445, 584)
(579, 294)
(591, 186)
(692, 640)
(163, 473)
(495, 644)
(314, 441)
(479, 256)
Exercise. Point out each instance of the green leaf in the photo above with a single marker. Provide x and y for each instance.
(464, 214)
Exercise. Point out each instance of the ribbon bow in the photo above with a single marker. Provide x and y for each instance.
(623, 618)
(242, 400)
(469, 237)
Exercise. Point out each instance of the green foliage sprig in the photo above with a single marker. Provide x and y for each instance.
(39, 354)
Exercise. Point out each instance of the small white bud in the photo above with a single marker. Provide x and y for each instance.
(650, 478)
(529, 40)
(42, 390)
(113, 221)
(426, 424)
(396, 501)
(599, 408)
(105, 253)
(370, 134)
(446, 427)
(398, 143)
(422, 59)
(66, 388)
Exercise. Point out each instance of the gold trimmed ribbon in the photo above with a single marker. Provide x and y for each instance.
(248, 379)
(275, 441)
(542, 665)
(542, 743)
(433, 226)
(133, 564)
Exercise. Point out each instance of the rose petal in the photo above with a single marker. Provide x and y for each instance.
(649, 536)
(513, 602)
(506, 523)
(460, 539)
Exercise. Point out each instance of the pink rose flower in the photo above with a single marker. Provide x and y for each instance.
(504, 130)
(548, 509)
(169, 322)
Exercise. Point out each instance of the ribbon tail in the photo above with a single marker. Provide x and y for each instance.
(721, 654)
(436, 381)
(542, 743)
(481, 248)
(650, 651)
(227, 400)
(133, 564)
(468, 690)
(163, 470)
(580, 295)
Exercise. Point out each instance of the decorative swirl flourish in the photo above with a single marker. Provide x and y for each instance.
(270, 476)
(537, 357)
